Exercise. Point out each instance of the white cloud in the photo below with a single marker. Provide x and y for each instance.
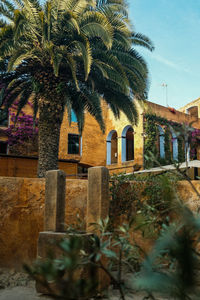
(169, 63)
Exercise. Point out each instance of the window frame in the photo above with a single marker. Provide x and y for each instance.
(70, 151)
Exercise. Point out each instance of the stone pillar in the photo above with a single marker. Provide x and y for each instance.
(98, 195)
(48, 242)
(98, 208)
(54, 215)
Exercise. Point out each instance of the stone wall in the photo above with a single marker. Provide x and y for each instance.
(186, 194)
(21, 215)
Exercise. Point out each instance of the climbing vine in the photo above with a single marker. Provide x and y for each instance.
(168, 154)
(146, 198)
(152, 135)
(181, 150)
(151, 131)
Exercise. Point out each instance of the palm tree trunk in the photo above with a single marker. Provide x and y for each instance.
(50, 120)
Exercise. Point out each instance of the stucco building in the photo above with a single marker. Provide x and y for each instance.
(122, 147)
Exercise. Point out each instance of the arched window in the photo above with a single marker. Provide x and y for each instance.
(174, 146)
(161, 142)
(112, 148)
(127, 144)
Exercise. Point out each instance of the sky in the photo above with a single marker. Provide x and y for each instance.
(174, 28)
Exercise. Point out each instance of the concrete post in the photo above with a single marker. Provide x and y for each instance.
(54, 215)
(98, 195)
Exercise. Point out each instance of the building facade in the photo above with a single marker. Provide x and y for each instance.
(122, 147)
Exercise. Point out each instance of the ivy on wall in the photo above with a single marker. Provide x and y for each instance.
(168, 140)
(181, 149)
(152, 133)
(151, 142)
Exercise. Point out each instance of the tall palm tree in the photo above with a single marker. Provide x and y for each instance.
(69, 54)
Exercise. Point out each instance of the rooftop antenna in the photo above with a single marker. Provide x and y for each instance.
(165, 88)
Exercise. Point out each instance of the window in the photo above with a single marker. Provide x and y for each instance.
(161, 142)
(3, 118)
(73, 116)
(3, 147)
(73, 144)
(112, 148)
(127, 143)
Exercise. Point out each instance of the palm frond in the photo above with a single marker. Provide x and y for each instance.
(19, 3)
(73, 67)
(9, 5)
(6, 13)
(2, 23)
(24, 97)
(35, 100)
(68, 105)
(142, 40)
(86, 54)
(75, 50)
(94, 24)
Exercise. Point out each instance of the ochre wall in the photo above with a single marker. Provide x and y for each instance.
(27, 167)
(178, 116)
(21, 215)
(119, 125)
(191, 104)
(93, 141)
(185, 193)
(22, 209)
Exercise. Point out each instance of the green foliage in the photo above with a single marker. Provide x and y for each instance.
(123, 195)
(71, 54)
(152, 136)
(159, 195)
(148, 199)
(168, 141)
(151, 131)
(170, 269)
(73, 275)
(181, 150)
(61, 276)
(117, 245)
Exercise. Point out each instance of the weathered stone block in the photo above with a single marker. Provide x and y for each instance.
(98, 208)
(54, 216)
(48, 244)
(98, 195)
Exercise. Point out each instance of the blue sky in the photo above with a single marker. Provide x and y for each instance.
(174, 27)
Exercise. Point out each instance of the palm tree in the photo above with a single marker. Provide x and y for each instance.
(69, 54)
